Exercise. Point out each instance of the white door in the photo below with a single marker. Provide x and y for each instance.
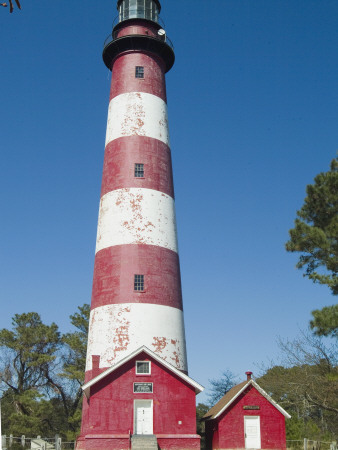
(252, 430)
(143, 417)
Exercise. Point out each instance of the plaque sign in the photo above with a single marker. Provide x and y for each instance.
(251, 407)
(143, 388)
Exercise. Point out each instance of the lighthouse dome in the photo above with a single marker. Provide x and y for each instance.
(138, 9)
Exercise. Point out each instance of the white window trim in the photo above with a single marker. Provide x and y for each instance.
(144, 374)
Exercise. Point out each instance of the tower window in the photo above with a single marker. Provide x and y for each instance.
(143, 367)
(138, 282)
(139, 170)
(139, 72)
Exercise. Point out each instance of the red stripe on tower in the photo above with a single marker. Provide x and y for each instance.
(119, 169)
(123, 73)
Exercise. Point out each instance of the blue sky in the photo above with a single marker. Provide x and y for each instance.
(253, 106)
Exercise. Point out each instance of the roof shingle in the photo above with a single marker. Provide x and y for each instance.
(225, 400)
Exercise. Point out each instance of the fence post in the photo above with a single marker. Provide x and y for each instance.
(58, 442)
(305, 443)
(10, 440)
(3, 440)
(23, 439)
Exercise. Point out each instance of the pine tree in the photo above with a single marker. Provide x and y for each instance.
(315, 234)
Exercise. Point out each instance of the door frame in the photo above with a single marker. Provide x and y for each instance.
(139, 400)
(247, 418)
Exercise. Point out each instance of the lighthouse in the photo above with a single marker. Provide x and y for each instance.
(137, 389)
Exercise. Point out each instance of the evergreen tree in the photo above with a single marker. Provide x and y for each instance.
(325, 321)
(74, 362)
(315, 234)
(41, 373)
(28, 351)
(76, 342)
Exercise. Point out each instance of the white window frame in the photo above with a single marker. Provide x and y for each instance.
(142, 373)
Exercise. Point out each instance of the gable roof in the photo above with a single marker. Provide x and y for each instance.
(235, 392)
(86, 387)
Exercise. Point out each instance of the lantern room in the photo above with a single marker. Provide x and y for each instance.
(139, 9)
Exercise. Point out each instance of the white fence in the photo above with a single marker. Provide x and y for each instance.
(15, 443)
(307, 444)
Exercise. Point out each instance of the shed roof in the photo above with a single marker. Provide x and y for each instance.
(235, 392)
(86, 387)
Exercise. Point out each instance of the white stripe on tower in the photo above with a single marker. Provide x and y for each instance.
(131, 325)
(137, 113)
(136, 216)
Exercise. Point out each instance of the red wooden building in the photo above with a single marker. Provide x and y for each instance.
(143, 397)
(246, 417)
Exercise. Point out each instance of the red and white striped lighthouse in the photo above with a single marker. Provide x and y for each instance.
(136, 298)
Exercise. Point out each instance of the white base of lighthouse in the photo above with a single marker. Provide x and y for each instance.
(118, 330)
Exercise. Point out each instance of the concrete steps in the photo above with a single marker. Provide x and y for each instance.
(143, 442)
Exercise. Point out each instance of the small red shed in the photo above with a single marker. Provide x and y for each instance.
(140, 396)
(246, 418)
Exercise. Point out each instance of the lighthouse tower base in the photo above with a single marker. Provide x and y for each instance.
(125, 442)
(142, 396)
